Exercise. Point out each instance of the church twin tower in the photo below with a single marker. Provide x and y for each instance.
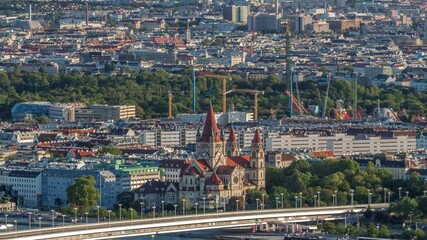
(215, 149)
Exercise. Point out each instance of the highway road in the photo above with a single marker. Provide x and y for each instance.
(181, 223)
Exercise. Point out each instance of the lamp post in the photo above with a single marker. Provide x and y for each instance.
(53, 218)
(40, 222)
(263, 198)
(175, 208)
(257, 200)
(183, 206)
(277, 202)
(237, 205)
(86, 213)
(369, 198)
(224, 203)
(120, 211)
(333, 199)
(315, 200)
(369, 193)
(197, 206)
(97, 208)
(163, 208)
(16, 225)
(385, 195)
(63, 220)
(109, 217)
(204, 205)
(75, 215)
(282, 195)
(336, 198)
(154, 210)
(400, 192)
(29, 221)
(296, 201)
(6, 221)
(389, 193)
(318, 198)
(141, 205)
(131, 213)
(300, 199)
(407, 193)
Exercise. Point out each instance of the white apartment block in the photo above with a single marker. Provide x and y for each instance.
(183, 136)
(365, 144)
(315, 142)
(17, 137)
(27, 184)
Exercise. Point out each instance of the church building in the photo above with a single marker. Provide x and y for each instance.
(218, 171)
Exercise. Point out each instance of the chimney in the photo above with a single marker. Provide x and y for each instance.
(87, 13)
(30, 14)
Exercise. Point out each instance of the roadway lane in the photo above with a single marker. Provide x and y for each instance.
(170, 224)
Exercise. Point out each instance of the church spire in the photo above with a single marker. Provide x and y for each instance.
(232, 137)
(257, 137)
(210, 129)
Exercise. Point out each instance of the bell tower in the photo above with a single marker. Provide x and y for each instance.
(257, 162)
(232, 146)
(210, 146)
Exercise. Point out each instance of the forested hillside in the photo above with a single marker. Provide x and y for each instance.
(148, 91)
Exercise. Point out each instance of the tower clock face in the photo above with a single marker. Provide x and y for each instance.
(204, 154)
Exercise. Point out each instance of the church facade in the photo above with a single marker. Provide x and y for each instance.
(219, 172)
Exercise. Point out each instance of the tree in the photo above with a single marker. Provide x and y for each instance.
(83, 193)
(188, 204)
(232, 204)
(111, 150)
(383, 232)
(404, 207)
(125, 198)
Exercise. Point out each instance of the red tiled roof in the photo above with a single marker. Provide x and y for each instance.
(214, 180)
(192, 171)
(225, 169)
(242, 161)
(210, 129)
(203, 165)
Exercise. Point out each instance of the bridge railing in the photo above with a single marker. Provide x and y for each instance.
(200, 216)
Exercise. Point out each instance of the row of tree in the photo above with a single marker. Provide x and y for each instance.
(148, 91)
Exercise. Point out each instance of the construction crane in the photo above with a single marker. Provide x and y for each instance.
(224, 87)
(225, 92)
(300, 108)
(170, 95)
(326, 96)
(170, 104)
(255, 92)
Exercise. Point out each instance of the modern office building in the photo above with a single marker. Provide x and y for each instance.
(27, 110)
(236, 13)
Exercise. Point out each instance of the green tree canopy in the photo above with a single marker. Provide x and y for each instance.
(83, 193)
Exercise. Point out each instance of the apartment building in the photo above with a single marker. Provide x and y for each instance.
(56, 181)
(27, 184)
(314, 142)
(370, 144)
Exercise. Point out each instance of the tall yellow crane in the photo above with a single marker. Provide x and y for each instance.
(254, 91)
(225, 92)
(224, 87)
